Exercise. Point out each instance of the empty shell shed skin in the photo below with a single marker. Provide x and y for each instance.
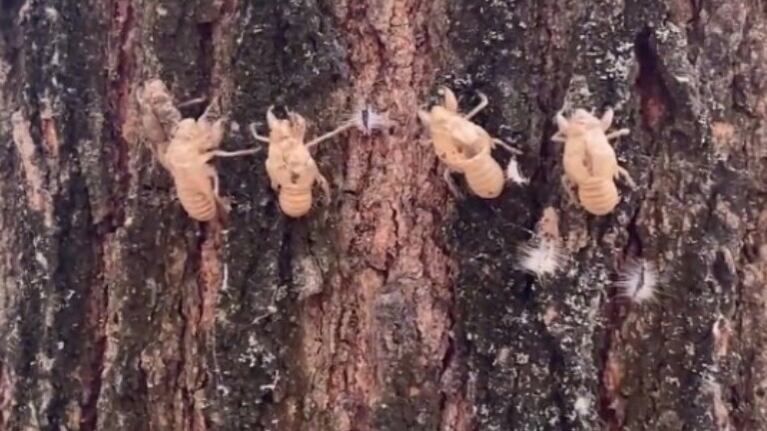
(184, 147)
(589, 160)
(290, 166)
(195, 180)
(464, 147)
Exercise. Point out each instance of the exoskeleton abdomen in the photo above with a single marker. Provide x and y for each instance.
(484, 176)
(295, 201)
(198, 202)
(447, 150)
(598, 195)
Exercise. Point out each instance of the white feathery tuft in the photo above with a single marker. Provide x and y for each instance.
(367, 120)
(513, 174)
(541, 257)
(639, 282)
(225, 278)
(582, 406)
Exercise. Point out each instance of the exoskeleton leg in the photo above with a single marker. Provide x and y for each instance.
(559, 137)
(217, 133)
(618, 133)
(626, 177)
(192, 102)
(212, 111)
(482, 105)
(271, 120)
(297, 123)
(224, 203)
(329, 135)
(506, 146)
(255, 134)
(325, 186)
(451, 185)
(449, 100)
(214, 177)
(238, 153)
(607, 119)
(568, 186)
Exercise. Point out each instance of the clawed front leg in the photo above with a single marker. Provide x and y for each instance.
(211, 112)
(325, 186)
(192, 102)
(618, 133)
(222, 202)
(506, 146)
(221, 153)
(559, 137)
(451, 185)
(607, 119)
(216, 182)
(255, 134)
(216, 132)
(449, 101)
(568, 186)
(329, 134)
(482, 105)
(238, 153)
(626, 177)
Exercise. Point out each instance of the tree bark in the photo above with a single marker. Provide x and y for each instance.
(396, 306)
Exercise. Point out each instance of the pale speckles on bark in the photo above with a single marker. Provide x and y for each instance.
(695, 193)
(397, 238)
(683, 201)
(288, 54)
(750, 82)
(38, 197)
(6, 390)
(750, 327)
(94, 162)
(5, 69)
(723, 35)
(211, 279)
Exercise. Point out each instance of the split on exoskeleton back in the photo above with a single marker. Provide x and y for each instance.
(464, 147)
(290, 166)
(367, 120)
(589, 161)
(184, 146)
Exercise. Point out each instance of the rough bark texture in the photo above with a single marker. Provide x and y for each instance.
(395, 307)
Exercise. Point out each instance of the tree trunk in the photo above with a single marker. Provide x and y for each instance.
(396, 306)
